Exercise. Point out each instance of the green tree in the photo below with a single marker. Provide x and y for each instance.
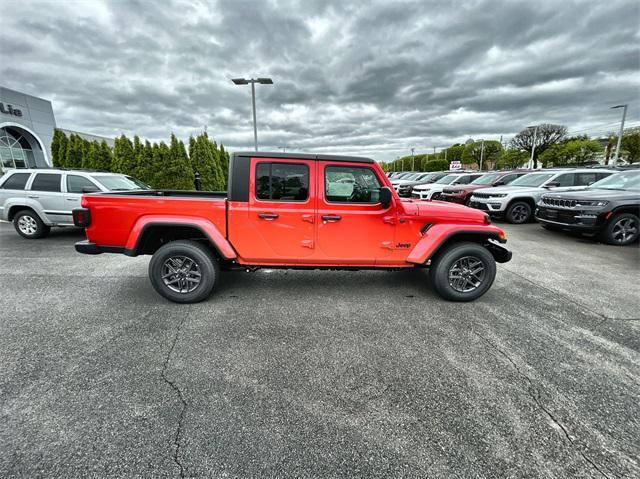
(74, 152)
(203, 161)
(511, 159)
(124, 159)
(487, 151)
(175, 172)
(138, 153)
(545, 135)
(59, 148)
(455, 152)
(90, 155)
(631, 144)
(103, 157)
(224, 163)
(572, 152)
(437, 165)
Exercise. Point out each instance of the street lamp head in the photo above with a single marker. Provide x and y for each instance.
(265, 81)
(618, 106)
(240, 81)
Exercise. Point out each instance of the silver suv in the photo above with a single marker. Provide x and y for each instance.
(37, 199)
(517, 201)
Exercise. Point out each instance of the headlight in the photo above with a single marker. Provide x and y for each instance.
(596, 203)
(500, 195)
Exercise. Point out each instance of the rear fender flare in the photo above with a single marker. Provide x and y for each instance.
(218, 240)
(439, 235)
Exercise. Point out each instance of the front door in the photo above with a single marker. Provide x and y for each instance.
(353, 227)
(281, 212)
(76, 185)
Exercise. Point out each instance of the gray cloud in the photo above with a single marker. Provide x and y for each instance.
(356, 77)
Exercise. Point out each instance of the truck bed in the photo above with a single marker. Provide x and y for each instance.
(115, 216)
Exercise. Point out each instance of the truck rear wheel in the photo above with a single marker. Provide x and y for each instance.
(29, 225)
(183, 271)
(463, 271)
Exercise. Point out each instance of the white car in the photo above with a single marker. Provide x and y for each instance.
(516, 202)
(432, 191)
(37, 199)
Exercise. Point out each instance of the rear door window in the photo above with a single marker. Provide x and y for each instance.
(17, 181)
(46, 182)
(508, 179)
(583, 179)
(282, 182)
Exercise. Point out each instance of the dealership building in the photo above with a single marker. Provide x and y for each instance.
(27, 124)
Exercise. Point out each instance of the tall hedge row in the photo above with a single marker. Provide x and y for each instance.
(160, 165)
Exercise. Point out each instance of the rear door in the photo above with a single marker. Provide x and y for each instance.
(353, 227)
(12, 188)
(281, 212)
(46, 190)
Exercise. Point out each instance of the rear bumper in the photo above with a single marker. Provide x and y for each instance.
(87, 247)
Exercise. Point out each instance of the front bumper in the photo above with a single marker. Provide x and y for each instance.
(495, 207)
(577, 220)
(452, 198)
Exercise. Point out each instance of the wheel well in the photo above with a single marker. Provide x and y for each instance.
(632, 209)
(480, 238)
(13, 211)
(155, 236)
(529, 201)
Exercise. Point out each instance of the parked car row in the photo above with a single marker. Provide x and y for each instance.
(603, 201)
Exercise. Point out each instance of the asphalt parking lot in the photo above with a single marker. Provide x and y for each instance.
(320, 374)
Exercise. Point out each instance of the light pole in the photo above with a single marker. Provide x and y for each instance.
(253, 81)
(413, 161)
(481, 154)
(624, 116)
(533, 145)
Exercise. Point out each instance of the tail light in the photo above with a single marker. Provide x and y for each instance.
(81, 217)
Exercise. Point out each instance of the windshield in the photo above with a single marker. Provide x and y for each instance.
(486, 179)
(445, 180)
(629, 180)
(532, 179)
(120, 183)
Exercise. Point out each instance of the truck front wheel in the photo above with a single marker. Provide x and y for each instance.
(463, 271)
(183, 271)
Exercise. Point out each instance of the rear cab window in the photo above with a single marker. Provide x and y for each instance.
(17, 181)
(276, 181)
(351, 184)
(47, 182)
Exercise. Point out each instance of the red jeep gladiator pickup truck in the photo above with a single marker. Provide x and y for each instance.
(293, 211)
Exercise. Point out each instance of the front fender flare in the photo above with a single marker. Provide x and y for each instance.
(218, 240)
(438, 235)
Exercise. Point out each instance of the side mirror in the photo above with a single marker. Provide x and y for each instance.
(90, 189)
(385, 196)
(552, 184)
(499, 183)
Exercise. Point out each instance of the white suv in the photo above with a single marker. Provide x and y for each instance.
(517, 201)
(432, 191)
(37, 199)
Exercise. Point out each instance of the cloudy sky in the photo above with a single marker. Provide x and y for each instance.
(356, 77)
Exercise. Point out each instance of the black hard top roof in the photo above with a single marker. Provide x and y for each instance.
(302, 156)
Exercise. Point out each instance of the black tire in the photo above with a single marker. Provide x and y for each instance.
(449, 260)
(175, 267)
(519, 212)
(622, 229)
(29, 225)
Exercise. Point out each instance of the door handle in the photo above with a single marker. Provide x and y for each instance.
(268, 216)
(72, 199)
(34, 196)
(331, 218)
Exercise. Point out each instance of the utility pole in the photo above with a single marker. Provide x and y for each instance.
(533, 147)
(413, 161)
(624, 116)
(481, 154)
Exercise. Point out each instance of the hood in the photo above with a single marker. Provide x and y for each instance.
(520, 189)
(466, 188)
(595, 194)
(443, 211)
